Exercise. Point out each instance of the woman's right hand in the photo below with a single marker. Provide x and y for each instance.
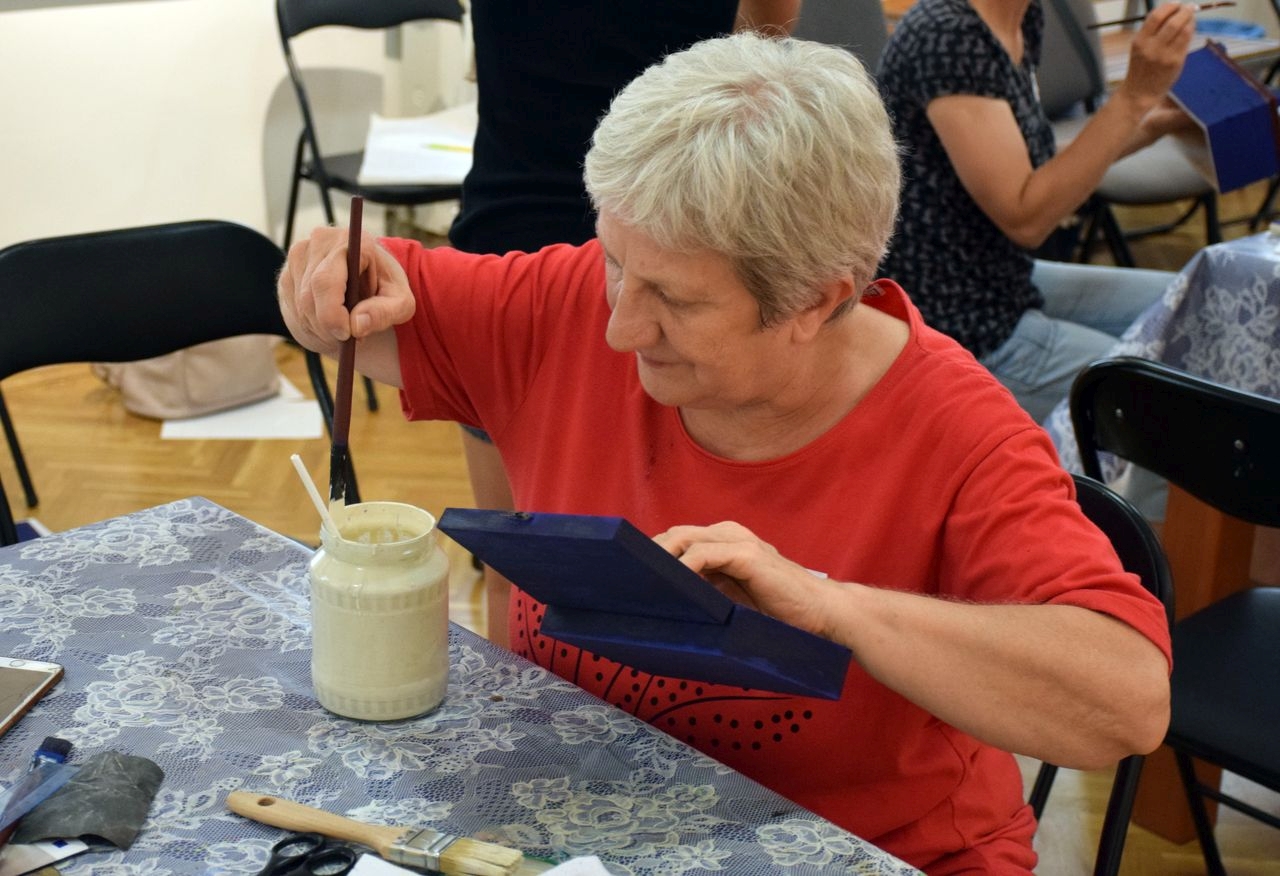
(1157, 54)
(312, 291)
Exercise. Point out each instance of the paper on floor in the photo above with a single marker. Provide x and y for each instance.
(287, 415)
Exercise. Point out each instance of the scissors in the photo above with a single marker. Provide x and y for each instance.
(309, 854)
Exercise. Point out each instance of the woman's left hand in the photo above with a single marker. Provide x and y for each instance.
(751, 571)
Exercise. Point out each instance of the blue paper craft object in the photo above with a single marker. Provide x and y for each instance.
(1237, 115)
(613, 591)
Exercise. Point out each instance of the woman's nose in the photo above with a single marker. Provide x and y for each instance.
(630, 327)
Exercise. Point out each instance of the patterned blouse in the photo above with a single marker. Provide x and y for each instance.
(968, 279)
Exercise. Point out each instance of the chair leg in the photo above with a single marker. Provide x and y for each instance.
(294, 188)
(1267, 207)
(19, 461)
(1115, 823)
(1204, 830)
(8, 529)
(1040, 789)
(1093, 226)
(1114, 235)
(1212, 226)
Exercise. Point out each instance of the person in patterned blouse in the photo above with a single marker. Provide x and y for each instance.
(983, 186)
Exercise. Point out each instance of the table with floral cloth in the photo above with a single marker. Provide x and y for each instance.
(184, 630)
(1219, 318)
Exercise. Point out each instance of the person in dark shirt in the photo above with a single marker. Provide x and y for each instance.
(545, 74)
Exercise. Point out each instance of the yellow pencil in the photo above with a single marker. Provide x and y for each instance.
(448, 147)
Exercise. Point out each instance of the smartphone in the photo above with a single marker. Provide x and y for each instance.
(22, 684)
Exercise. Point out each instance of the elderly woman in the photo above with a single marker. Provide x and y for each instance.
(719, 369)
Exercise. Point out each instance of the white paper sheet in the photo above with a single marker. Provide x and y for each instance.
(287, 415)
(17, 859)
(433, 149)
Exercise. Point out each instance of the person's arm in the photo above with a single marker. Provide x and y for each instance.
(768, 16)
(1056, 682)
(312, 290)
(984, 145)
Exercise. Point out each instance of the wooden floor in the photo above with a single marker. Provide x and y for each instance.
(92, 460)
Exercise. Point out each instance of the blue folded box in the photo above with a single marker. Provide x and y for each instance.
(611, 590)
(1236, 114)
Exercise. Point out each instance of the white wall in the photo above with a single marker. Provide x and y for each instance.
(132, 113)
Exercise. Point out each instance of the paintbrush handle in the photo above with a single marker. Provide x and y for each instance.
(341, 426)
(288, 815)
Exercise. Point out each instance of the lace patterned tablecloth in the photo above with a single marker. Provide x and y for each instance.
(1219, 318)
(184, 633)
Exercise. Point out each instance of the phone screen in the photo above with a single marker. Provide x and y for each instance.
(22, 683)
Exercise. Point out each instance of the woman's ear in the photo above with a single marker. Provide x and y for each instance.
(832, 295)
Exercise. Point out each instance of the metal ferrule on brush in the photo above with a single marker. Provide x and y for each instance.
(421, 849)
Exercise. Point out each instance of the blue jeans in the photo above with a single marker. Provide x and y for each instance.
(1087, 308)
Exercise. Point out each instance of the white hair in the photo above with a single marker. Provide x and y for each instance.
(776, 153)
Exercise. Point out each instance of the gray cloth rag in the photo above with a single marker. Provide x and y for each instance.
(108, 798)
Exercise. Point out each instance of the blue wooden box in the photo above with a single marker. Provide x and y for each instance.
(1240, 141)
(613, 591)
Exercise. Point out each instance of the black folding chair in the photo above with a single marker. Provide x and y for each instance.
(1221, 445)
(1140, 552)
(136, 293)
(340, 170)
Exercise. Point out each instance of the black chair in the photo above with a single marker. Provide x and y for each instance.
(1221, 445)
(1140, 552)
(135, 293)
(340, 171)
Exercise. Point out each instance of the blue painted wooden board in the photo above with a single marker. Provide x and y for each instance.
(612, 590)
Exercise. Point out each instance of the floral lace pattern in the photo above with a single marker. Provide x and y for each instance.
(184, 630)
(1219, 318)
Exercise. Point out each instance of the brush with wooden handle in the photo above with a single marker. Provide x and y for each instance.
(420, 848)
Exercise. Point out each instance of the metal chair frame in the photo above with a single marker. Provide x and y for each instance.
(1220, 445)
(136, 293)
(1140, 552)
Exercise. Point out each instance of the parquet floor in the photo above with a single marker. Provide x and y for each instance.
(91, 460)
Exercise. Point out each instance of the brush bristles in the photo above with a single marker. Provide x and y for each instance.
(469, 857)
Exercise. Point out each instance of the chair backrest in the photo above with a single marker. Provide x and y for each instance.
(294, 17)
(856, 25)
(299, 16)
(1071, 73)
(117, 296)
(1141, 553)
(1221, 445)
(1135, 542)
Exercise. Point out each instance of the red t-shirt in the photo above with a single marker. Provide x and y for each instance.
(936, 483)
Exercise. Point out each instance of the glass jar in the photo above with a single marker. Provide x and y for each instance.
(380, 613)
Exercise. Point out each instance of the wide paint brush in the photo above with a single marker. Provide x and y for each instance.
(340, 454)
(419, 848)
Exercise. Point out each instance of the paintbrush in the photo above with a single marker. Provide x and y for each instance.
(1136, 18)
(339, 453)
(419, 848)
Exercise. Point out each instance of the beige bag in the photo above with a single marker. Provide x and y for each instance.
(198, 380)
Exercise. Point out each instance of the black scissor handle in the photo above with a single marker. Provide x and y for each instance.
(309, 854)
